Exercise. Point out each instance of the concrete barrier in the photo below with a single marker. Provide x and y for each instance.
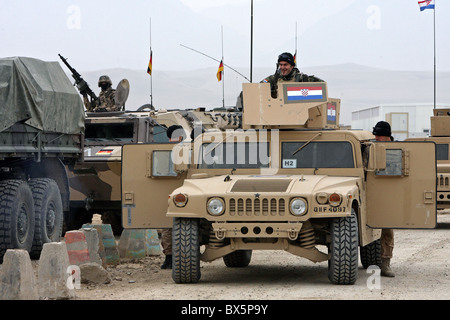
(138, 243)
(17, 279)
(109, 242)
(132, 243)
(77, 248)
(96, 252)
(152, 243)
(53, 272)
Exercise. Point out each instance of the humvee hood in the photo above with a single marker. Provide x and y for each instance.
(274, 183)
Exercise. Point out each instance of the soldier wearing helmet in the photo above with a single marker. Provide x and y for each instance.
(106, 99)
(288, 72)
(382, 132)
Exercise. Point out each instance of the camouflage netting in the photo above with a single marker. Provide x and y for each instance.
(39, 94)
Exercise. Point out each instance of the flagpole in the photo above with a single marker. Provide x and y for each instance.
(223, 77)
(151, 75)
(251, 41)
(434, 35)
(296, 41)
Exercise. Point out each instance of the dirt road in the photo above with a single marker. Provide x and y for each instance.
(421, 263)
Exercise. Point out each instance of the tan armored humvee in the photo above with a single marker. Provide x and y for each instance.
(288, 180)
(440, 134)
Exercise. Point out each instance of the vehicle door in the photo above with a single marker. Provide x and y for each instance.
(148, 178)
(403, 195)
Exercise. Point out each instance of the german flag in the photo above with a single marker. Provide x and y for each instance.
(149, 68)
(220, 71)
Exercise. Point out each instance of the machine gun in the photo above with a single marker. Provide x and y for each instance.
(82, 85)
(274, 84)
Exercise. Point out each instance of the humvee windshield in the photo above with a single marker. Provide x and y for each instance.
(109, 132)
(234, 155)
(318, 154)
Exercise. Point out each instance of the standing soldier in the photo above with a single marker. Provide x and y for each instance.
(287, 72)
(382, 132)
(106, 100)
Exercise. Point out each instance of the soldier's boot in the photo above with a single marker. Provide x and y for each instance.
(386, 268)
(167, 263)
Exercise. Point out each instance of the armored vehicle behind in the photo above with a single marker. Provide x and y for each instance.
(95, 182)
(440, 134)
(288, 180)
(41, 133)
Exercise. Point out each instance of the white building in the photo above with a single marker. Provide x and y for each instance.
(406, 120)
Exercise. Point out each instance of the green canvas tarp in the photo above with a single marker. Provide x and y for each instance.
(39, 94)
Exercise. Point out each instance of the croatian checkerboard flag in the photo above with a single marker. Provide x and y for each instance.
(427, 4)
(304, 93)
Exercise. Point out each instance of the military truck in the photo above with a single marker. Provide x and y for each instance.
(95, 182)
(41, 132)
(289, 179)
(440, 134)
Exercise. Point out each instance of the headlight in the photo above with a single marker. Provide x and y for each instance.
(298, 206)
(180, 199)
(215, 206)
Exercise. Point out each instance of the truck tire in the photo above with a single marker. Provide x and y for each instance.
(370, 254)
(17, 216)
(238, 259)
(48, 211)
(343, 249)
(185, 251)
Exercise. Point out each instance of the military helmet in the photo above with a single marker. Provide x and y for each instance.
(104, 78)
(286, 56)
(382, 128)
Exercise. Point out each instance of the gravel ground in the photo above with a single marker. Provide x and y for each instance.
(421, 263)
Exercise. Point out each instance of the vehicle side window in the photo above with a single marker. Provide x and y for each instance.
(394, 163)
(162, 164)
(109, 132)
(442, 151)
(317, 154)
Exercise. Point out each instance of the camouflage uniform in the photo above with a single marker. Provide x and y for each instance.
(294, 76)
(106, 100)
(166, 241)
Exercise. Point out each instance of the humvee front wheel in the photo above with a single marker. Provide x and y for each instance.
(343, 249)
(185, 251)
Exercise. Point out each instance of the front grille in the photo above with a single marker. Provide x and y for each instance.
(256, 206)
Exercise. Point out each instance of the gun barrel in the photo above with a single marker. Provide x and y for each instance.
(82, 85)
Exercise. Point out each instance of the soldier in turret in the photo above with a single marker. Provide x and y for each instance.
(106, 99)
(288, 72)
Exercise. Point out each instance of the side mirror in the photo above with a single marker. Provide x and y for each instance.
(377, 157)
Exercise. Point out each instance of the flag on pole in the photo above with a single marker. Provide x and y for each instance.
(149, 68)
(220, 71)
(295, 57)
(427, 4)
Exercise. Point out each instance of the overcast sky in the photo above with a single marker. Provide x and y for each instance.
(104, 34)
